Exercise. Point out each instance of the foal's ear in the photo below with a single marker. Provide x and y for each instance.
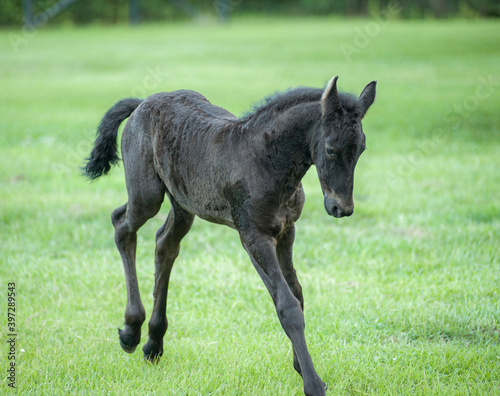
(330, 102)
(366, 98)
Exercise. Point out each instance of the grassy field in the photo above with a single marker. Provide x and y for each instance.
(402, 298)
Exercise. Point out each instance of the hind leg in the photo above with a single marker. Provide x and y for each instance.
(126, 225)
(146, 192)
(168, 239)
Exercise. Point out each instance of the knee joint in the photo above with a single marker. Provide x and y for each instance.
(291, 316)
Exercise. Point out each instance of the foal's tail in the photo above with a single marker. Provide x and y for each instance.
(105, 152)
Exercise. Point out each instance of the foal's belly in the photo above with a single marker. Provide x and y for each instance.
(200, 200)
(209, 207)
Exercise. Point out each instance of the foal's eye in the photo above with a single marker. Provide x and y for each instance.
(330, 153)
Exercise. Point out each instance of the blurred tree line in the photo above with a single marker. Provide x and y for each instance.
(113, 11)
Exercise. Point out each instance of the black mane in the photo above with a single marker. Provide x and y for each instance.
(280, 101)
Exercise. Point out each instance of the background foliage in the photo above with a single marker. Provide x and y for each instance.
(112, 11)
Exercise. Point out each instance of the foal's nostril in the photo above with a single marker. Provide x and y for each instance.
(337, 211)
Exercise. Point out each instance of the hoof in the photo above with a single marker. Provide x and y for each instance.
(128, 340)
(127, 348)
(152, 352)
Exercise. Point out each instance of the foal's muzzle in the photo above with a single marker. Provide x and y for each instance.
(338, 208)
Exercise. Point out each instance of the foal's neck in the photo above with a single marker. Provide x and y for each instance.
(292, 141)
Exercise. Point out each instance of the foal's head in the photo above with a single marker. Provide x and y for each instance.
(340, 143)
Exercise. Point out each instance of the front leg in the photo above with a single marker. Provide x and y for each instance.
(284, 250)
(262, 251)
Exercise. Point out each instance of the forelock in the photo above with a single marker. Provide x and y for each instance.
(349, 102)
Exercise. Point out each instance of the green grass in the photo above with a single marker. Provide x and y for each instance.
(402, 298)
